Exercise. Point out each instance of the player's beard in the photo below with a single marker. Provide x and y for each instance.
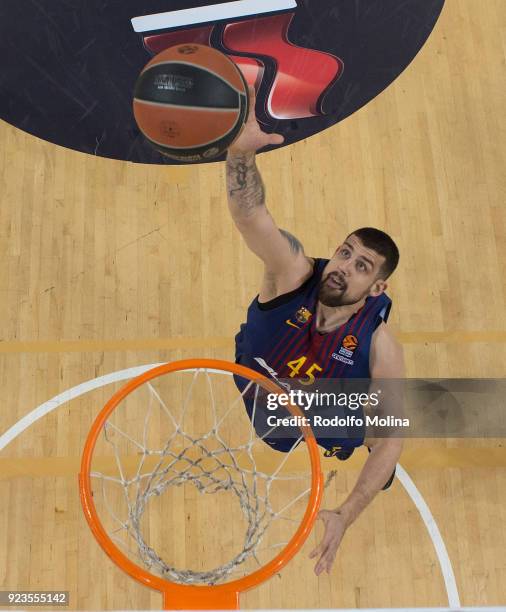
(332, 296)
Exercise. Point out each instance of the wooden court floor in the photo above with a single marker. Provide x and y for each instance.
(106, 265)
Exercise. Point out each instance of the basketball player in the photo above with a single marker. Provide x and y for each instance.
(316, 318)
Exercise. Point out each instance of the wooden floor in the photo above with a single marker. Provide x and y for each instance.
(106, 265)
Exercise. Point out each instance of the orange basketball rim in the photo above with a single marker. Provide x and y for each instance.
(179, 596)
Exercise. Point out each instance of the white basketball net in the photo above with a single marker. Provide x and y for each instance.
(206, 461)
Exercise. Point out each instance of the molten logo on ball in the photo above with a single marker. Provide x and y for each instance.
(188, 49)
(173, 82)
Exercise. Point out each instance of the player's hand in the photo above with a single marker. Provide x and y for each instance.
(335, 526)
(251, 137)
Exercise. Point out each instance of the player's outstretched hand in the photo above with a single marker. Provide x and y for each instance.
(335, 527)
(252, 138)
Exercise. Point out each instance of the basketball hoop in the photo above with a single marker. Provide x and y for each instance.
(174, 467)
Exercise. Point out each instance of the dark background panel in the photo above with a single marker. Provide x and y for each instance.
(69, 67)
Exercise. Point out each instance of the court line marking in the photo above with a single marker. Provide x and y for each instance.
(435, 535)
(68, 395)
(98, 346)
(432, 459)
(182, 342)
(467, 609)
(128, 373)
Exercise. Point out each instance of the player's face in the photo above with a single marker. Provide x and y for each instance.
(352, 274)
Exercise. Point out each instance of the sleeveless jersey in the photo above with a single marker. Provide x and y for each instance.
(280, 340)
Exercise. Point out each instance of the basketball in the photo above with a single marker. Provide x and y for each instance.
(190, 102)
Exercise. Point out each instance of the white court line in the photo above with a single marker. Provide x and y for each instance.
(106, 379)
(66, 396)
(435, 535)
(472, 609)
(211, 13)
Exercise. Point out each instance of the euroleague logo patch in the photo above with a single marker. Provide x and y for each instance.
(312, 62)
(350, 343)
(348, 346)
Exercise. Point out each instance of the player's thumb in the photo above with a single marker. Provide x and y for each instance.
(276, 139)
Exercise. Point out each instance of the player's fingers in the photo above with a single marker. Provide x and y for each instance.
(330, 558)
(252, 102)
(324, 544)
(324, 515)
(320, 566)
(325, 563)
(318, 550)
(329, 562)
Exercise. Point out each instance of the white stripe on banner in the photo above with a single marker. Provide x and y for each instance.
(206, 14)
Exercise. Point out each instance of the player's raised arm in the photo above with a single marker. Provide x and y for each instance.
(286, 265)
(386, 362)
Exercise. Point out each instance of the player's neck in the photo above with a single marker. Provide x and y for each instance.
(329, 318)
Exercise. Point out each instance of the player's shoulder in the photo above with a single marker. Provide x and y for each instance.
(387, 354)
(384, 335)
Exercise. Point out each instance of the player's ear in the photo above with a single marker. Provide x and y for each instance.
(379, 286)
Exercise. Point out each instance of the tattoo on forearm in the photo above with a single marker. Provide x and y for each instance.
(241, 172)
(295, 244)
(244, 184)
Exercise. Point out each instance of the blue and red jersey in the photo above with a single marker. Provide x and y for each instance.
(280, 340)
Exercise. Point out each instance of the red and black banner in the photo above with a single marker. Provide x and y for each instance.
(69, 66)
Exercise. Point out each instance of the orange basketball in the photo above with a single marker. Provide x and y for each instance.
(191, 102)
